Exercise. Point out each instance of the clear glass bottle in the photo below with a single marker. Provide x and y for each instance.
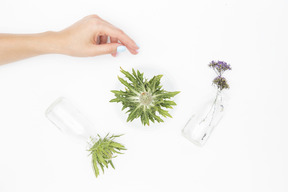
(70, 120)
(201, 124)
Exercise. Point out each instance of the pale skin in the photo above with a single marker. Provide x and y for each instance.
(85, 38)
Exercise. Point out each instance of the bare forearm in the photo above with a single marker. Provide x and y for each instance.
(80, 40)
(17, 47)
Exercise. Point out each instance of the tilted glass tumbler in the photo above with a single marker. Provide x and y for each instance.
(70, 120)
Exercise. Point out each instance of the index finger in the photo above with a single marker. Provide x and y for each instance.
(112, 31)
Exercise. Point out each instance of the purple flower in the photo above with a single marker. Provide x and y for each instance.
(220, 67)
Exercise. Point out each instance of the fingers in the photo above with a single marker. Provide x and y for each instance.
(108, 48)
(117, 37)
(116, 33)
(114, 40)
(111, 48)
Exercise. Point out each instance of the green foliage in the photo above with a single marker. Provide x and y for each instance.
(103, 150)
(144, 99)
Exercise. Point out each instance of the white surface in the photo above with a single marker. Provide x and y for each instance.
(246, 152)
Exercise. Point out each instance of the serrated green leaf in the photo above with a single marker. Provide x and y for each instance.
(110, 162)
(102, 151)
(148, 94)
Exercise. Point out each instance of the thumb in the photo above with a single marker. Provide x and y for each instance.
(108, 48)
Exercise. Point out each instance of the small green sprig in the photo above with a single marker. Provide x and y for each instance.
(145, 99)
(103, 150)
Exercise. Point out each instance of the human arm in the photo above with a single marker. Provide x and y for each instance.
(86, 38)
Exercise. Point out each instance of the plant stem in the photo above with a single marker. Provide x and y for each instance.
(213, 107)
(217, 95)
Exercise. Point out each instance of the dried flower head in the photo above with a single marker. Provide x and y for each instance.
(220, 67)
(221, 83)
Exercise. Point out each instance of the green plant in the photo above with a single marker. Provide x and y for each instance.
(103, 150)
(145, 99)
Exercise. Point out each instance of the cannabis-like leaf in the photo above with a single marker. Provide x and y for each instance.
(145, 99)
(103, 150)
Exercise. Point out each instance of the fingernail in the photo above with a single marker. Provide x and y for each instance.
(121, 49)
(138, 46)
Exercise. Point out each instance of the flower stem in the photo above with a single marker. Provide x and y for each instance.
(213, 107)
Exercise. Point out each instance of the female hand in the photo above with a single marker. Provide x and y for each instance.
(89, 37)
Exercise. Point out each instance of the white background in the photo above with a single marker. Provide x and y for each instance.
(248, 151)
